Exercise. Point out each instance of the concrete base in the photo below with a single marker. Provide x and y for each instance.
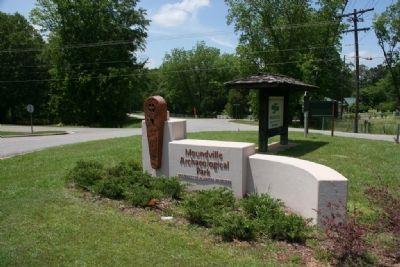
(305, 187)
(207, 164)
(174, 129)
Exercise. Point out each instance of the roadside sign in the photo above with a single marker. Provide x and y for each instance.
(323, 108)
(30, 108)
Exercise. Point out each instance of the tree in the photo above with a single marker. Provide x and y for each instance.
(295, 38)
(20, 58)
(193, 80)
(92, 45)
(387, 30)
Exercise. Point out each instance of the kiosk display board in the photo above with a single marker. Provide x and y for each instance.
(275, 112)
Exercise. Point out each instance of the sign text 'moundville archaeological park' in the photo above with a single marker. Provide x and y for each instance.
(305, 187)
(204, 162)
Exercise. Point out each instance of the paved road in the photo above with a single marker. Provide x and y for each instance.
(19, 145)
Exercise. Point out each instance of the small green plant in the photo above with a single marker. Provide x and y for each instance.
(290, 227)
(85, 174)
(235, 226)
(111, 187)
(257, 206)
(140, 196)
(204, 207)
(171, 187)
(271, 219)
(125, 169)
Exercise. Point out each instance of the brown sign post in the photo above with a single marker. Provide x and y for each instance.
(155, 115)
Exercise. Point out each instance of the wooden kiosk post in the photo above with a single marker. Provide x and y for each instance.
(273, 100)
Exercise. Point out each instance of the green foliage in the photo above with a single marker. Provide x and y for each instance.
(235, 226)
(129, 168)
(260, 215)
(18, 36)
(85, 174)
(271, 219)
(290, 227)
(140, 195)
(275, 35)
(257, 206)
(86, 90)
(111, 187)
(201, 86)
(124, 181)
(204, 207)
(170, 187)
(387, 30)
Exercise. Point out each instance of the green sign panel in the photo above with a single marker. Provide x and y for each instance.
(275, 112)
(323, 108)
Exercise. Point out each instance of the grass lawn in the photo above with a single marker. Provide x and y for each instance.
(35, 133)
(44, 223)
(376, 125)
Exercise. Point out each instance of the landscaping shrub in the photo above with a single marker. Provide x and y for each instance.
(291, 228)
(125, 169)
(171, 187)
(388, 205)
(235, 226)
(86, 173)
(271, 219)
(112, 187)
(204, 207)
(257, 206)
(140, 196)
(346, 237)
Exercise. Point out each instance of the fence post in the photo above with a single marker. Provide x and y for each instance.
(398, 134)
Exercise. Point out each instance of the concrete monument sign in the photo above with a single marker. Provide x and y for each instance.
(207, 164)
(305, 188)
(155, 111)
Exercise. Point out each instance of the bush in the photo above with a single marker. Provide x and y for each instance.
(388, 205)
(111, 187)
(235, 226)
(257, 206)
(85, 174)
(171, 187)
(125, 169)
(140, 196)
(346, 237)
(204, 207)
(271, 219)
(290, 227)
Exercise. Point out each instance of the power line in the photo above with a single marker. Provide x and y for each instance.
(75, 64)
(141, 74)
(126, 42)
(126, 61)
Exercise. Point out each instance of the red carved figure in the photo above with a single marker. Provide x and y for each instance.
(155, 115)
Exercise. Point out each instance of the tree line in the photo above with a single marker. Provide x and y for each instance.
(76, 61)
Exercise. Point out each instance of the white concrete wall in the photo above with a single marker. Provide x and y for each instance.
(305, 187)
(236, 153)
(174, 129)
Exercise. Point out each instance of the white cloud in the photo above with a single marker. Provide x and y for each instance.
(170, 15)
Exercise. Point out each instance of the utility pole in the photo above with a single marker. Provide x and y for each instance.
(354, 17)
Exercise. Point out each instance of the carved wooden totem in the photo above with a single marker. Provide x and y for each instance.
(155, 115)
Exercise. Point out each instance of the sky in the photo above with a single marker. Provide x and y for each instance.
(183, 23)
